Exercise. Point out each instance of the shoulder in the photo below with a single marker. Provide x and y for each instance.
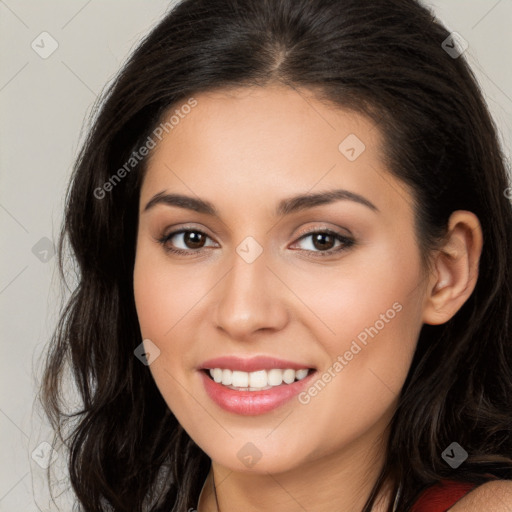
(494, 496)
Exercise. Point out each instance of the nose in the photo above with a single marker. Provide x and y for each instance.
(249, 299)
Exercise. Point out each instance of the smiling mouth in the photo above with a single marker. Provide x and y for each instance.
(260, 380)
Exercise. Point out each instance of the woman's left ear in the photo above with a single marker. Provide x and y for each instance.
(455, 268)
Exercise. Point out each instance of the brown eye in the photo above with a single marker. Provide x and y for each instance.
(323, 243)
(191, 241)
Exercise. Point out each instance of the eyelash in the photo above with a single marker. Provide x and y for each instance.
(346, 242)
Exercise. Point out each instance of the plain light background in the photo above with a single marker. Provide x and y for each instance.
(43, 105)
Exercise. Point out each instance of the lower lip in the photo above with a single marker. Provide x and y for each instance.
(252, 403)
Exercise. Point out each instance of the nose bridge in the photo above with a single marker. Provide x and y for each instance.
(248, 300)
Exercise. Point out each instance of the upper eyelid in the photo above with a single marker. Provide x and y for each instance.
(181, 228)
(322, 229)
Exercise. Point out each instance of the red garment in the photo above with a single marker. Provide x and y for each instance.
(440, 497)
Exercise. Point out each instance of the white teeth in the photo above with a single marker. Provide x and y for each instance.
(240, 379)
(275, 377)
(227, 377)
(216, 373)
(300, 374)
(256, 381)
(289, 376)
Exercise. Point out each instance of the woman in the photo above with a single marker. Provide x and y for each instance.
(295, 253)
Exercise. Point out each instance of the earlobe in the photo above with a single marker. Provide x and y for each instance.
(455, 268)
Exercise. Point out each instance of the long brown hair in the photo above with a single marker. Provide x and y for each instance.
(381, 58)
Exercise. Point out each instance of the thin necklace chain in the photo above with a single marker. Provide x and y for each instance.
(395, 503)
(397, 497)
(215, 492)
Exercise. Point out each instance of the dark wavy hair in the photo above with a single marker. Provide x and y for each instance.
(380, 58)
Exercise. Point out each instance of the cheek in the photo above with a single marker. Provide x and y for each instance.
(367, 359)
(367, 317)
(168, 303)
(160, 302)
(364, 288)
(164, 293)
(368, 365)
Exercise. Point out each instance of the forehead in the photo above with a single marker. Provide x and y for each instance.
(273, 117)
(265, 142)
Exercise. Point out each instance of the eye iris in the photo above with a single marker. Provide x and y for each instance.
(320, 237)
(192, 237)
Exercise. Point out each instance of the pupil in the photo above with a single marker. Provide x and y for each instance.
(319, 237)
(193, 238)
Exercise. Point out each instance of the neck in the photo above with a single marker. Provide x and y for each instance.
(341, 481)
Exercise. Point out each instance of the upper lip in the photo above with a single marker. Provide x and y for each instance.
(251, 364)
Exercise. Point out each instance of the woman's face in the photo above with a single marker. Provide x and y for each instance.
(256, 282)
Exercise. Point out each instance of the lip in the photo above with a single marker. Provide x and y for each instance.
(252, 403)
(252, 364)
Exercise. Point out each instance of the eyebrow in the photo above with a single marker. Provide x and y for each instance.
(285, 207)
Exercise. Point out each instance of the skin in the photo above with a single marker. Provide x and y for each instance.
(492, 496)
(244, 150)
